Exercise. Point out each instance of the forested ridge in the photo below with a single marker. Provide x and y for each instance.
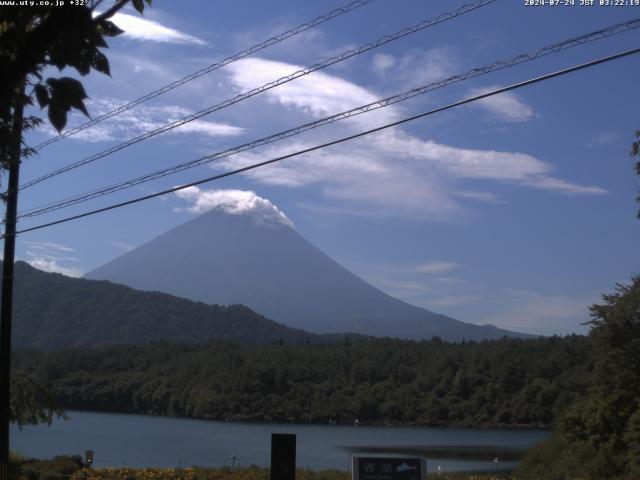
(507, 382)
(53, 311)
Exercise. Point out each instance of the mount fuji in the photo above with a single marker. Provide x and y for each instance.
(244, 250)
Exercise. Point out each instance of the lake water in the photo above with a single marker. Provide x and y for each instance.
(141, 441)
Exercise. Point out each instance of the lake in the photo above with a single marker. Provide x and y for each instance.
(141, 441)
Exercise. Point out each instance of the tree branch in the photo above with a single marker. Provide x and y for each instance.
(111, 11)
(96, 5)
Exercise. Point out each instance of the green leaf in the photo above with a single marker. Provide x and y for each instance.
(100, 63)
(138, 5)
(82, 62)
(67, 93)
(42, 95)
(98, 41)
(57, 116)
(109, 29)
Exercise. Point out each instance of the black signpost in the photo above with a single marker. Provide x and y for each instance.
(283, 456)
(379, 468)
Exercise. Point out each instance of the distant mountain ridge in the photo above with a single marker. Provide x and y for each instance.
(52, 311)
(226, 258)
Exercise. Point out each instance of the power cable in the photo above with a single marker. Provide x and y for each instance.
(498, 65)
(263, 88)
(214, 66)
(338, 141)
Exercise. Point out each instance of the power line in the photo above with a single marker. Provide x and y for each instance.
(263, 88)
(338, 141)
(214, 66)
(498, 65)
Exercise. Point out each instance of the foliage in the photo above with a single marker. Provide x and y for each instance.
(71, 467)
(599, 435)
(509, 382)
(31, 402)
(36, 39)
(54, 469)
(39, 37)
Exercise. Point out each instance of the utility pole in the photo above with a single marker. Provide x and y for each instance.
(7, 285)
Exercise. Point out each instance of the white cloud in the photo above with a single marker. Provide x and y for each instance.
(550, 183)
(50, 265)
(51, 256)
(382, 62)
(486, 197)
(420, 67)
(317, 94)
(210, 129)
(414, 68)
(50, 246)
(505, 106)
(391, 171)
(234, 202)
(436, 267)
(140, 120)
(142, 29)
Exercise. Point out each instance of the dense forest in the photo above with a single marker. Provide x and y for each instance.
(507, 382)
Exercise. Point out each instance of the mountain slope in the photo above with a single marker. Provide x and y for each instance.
(225, 258)
(52, 311)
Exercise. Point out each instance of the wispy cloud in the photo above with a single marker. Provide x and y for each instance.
(234, 202)
(50, 246)
(382, 62)
(415, 67)
(52, 257)
(148, 30)
(418, 67)
(436, 267)
(604, 138)
(121, 245)
(142, 119)
(507, 106)
(562, 186)
(485, 197)
(393, 171)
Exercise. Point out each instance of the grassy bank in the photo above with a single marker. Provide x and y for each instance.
(71, 468)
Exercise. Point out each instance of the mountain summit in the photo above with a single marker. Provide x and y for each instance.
(246, 251)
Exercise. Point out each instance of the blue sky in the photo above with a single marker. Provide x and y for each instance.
(517, 211)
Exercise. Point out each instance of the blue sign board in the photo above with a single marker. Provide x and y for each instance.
(393, 468)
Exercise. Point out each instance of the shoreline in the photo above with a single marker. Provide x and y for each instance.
(461, 426)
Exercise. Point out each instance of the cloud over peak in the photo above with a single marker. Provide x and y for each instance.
(234, 202)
